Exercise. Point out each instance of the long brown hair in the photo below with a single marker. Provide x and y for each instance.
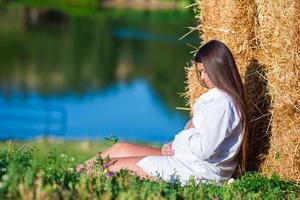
(222, 71)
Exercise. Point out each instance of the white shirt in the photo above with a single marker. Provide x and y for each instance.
(210, 149)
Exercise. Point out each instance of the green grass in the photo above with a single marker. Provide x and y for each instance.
(79, 150)
(44, 169)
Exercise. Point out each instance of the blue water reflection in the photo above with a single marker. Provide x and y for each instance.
(129, 111)
(92, 76)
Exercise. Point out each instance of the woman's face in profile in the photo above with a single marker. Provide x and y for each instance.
(203, 75)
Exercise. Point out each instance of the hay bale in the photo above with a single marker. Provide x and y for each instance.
(278, 32)
(258, 100)
(264, 37)
(233, 22)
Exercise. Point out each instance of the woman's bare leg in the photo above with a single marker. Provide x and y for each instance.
(126, 149)
(129, 163)
(122, 150)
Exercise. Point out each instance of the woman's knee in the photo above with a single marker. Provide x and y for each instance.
(118, 149)
(119, 145)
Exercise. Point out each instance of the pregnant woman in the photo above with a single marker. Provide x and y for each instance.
(213, 144)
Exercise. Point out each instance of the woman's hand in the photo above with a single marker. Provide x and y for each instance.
(167, 150)
(189, 124)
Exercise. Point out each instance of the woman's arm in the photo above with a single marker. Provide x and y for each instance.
(215, 126)
(167, 150)
(189, 124)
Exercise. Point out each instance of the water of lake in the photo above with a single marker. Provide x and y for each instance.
(112, 72)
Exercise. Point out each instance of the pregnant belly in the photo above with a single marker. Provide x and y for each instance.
(181, 145)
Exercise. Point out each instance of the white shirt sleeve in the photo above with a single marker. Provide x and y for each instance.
(212, 126)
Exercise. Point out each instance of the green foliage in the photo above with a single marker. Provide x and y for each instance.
(112, 140)
(267, 188)
(63, 2)
(25, 177)
(80, 7)
(59, 169)
(17, 168)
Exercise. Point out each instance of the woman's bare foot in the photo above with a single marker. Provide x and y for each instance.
(86, 166)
